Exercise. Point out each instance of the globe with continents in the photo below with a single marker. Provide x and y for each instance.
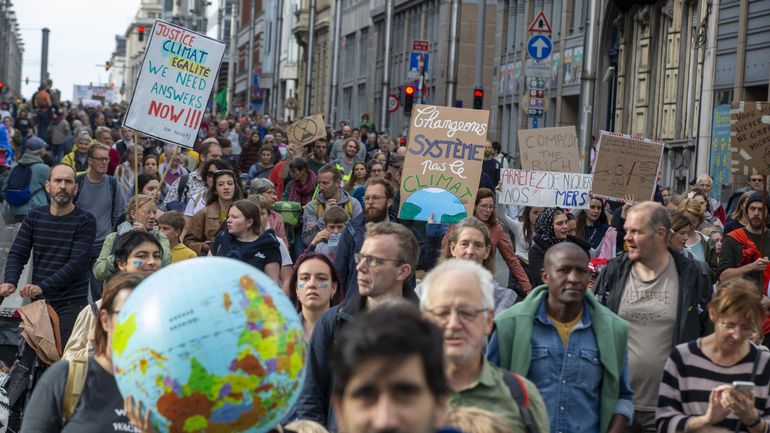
(210, 345)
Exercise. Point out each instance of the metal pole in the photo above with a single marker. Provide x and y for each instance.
(454, 32)
(386, 66)
(478, 80)
(44, 58)
(588, 84)
(309, 66)
(277, 61)
(335, 62)
(231, 67)
(250, 68)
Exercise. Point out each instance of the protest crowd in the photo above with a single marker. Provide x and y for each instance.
(641, 315)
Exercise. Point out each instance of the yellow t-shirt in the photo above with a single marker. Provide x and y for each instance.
(564, 328)
(181, 252)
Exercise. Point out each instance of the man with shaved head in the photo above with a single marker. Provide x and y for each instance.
(570, 346)
(62, 234)
(663, 296)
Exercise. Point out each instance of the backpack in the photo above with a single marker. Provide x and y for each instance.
(17, 192)
(520, 395)
(179, 205)
(321, 206)
(76, 381)
(290, 211)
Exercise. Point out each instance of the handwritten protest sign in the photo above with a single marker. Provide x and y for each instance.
(545, 188)
(443, 163)
(626, 166)
(175, 81)
(549, 149)
(307, 130)
(750, 138)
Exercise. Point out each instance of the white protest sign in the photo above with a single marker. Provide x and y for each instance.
(175, 81)
(545, 188)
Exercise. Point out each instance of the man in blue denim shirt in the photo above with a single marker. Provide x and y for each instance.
(571, 347)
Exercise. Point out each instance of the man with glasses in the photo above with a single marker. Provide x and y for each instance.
(98, 193)
(378, 199)
(755, 184)
(570, 346)
(458, 297)
(387, 260)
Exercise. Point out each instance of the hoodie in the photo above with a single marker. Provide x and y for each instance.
(258, 253)
(314, 211)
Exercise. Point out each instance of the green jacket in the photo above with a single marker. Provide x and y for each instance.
(514, 335)
(105, 265)
(40, 172)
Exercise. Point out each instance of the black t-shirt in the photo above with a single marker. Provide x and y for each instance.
(732, 251)
(258, 253)
(261, 258)
(99, 409)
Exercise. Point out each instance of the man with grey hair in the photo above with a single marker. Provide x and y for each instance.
(663, 296)
(458, 298)
(705, 183)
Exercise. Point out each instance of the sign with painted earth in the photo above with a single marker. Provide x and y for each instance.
(210, 345)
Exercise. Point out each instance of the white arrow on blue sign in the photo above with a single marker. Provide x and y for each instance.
(539, 47)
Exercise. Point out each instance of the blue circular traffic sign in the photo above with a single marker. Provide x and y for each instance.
(539, 47)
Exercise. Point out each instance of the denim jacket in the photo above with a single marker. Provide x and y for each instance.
(569, 377)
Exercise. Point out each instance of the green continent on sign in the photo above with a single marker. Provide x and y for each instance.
(123, 333)
(409, 211)
(453, 219)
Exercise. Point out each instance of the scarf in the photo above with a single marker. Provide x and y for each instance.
(544, 225)
(750, 253)
(303, 192)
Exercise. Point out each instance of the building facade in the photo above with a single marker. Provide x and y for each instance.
(149, 11)
(11, 51)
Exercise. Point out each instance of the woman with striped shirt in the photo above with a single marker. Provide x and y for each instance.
(697, 393)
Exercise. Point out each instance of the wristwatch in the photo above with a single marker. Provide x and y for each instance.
(756, 422)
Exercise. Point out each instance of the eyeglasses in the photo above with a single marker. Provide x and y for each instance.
(464, 313)
(373, 261)
(102, 160)
(373, 197)
(745, 330)
(755, 180)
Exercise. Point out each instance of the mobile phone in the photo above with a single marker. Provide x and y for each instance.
(743, 386)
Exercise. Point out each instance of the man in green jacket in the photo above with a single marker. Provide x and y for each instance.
(34, 149)
(571, 347)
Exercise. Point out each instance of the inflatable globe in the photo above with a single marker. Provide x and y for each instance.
(210, 345)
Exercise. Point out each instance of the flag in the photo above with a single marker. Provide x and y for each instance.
(221, 100)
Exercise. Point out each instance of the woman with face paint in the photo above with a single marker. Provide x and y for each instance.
(136, 252)
(313, 289)
(140, 216)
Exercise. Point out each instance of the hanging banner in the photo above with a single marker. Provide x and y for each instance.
(175, 82)
(545, 188)
(720, 150)
(442, 169)
(626, 165)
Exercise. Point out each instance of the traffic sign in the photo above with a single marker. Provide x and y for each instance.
(538, 69)
(539, 47)
(540, 24)
(393, 102)
(420, 45)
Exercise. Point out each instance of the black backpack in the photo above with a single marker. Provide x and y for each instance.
(179, 205)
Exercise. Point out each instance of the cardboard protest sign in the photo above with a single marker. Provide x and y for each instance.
(443, 163)
(549, 149)
(545, 188)
(750, 138)
(626, 166)
(175, 81)
(307, 130)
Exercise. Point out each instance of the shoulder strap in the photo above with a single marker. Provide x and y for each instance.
(182, 186)
(79, 179)
(76, 381)
(113, 184)
(520, 395)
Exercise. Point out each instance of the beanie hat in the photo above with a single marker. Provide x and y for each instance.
(757, 196)
(34, 143)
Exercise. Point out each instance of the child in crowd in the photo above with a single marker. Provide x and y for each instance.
(325, 242)
(172, 225)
